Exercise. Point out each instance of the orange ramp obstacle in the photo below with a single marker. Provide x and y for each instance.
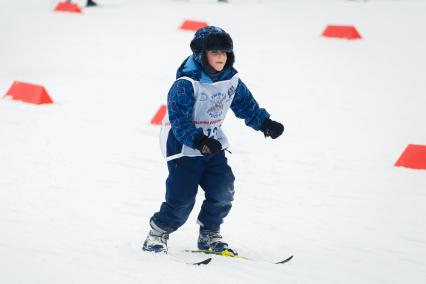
(29, 93)
(190, 25)
(346, 32)
(67, 7)
(158, 117)
(413, 157)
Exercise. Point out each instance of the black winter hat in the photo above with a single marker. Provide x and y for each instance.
(212, 38)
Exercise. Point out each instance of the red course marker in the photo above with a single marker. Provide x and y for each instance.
(413, 157)
(29, 93)
(158, 118)
(347, 32)
(192, 25)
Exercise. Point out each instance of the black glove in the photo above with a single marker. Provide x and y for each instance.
(272, 128)
(207, 145)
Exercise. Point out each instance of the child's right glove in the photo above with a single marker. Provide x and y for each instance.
(272, 128)
(207, 145)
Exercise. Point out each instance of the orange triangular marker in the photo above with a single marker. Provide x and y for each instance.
(347, 32)
(158, 118)
(192, 25)
(413, 157)
(67, 7)
(29, 93)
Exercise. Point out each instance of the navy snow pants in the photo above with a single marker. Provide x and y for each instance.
(213, 175)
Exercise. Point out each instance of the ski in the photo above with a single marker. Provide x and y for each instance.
(203, 262)
(189, 262)
(284, 260)
(230, 254)
(179, 259)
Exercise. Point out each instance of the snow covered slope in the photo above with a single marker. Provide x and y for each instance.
(79, 179)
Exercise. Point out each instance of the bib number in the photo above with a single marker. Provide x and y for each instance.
(212, 132)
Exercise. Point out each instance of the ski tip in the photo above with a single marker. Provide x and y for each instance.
(285, 260)
(204, 262)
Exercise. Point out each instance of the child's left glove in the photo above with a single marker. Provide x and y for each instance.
(272, 128)
(207, 145)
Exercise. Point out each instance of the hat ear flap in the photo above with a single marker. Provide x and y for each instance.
(195, 45)
(230, 60)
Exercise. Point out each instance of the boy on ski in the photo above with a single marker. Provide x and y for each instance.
(193, 143)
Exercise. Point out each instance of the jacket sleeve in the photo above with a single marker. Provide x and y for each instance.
(245, 106)
(180, 104)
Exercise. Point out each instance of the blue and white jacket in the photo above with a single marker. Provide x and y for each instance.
(197, 105)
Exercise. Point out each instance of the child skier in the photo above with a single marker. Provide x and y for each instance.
(207, 85)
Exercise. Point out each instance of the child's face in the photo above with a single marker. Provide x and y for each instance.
(217, 59)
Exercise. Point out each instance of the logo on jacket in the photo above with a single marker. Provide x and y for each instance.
(231, 92)
(203, 97)
(216, 101)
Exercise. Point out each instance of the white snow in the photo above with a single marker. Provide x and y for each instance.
(79, 179)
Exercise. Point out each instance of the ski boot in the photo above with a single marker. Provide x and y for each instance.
(212, 241)
(156, 241)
